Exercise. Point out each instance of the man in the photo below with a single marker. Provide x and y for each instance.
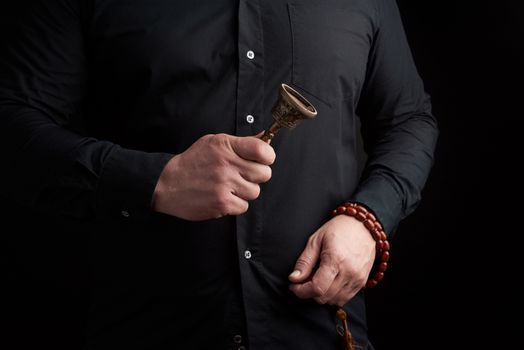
(136, 122)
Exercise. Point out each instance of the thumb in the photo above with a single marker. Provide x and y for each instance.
(254, 149)
(305, 262)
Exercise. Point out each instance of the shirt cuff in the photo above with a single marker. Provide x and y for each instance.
(127, 183)
(378, 195)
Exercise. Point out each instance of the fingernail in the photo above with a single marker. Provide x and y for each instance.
(295, 274)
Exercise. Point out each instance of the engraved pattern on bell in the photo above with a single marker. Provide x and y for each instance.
(285, 114)
(290, 108)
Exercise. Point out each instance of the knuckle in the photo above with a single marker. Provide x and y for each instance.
(327, 257)
(355, 279)
(218, 175)
(221, 201)
(311, 240)
(335, 260)
(219, 141)
(318, 291)
(361, 281)
(221, 176)
(207, 138)
(330, 270)
(338, 256)
(304, 260)
(221, 138)
(354, 272)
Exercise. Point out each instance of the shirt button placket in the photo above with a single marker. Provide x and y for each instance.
(250, 113)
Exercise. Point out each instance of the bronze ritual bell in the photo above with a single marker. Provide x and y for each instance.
(289, 110)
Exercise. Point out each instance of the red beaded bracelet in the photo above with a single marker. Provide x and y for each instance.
(375, 228)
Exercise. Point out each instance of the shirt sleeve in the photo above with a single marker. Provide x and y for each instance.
(398, 128)
(50, 164)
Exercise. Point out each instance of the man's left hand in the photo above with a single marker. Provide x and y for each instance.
(345, 251)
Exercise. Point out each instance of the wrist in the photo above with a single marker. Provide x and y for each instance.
(164, 184)
(373, 226)
(350, 226)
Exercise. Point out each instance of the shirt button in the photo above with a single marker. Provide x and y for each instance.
(247, 254)
(125, 213)
(250, 119)
(250, 54)
(237, 339)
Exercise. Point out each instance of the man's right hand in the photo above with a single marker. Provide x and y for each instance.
(216, 176)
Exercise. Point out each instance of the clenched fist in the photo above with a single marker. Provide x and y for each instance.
(216, 176)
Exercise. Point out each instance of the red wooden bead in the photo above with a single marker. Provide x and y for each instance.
(371, 217)
(341, 210)
(370, 225)
(347, 204)
(371, 283)
(376, 234)
(378, 225)
(379, 276)
(362, 209)
(360, 216)
(380, 245)
(385, 245)
(383, 266)
(385, 256)
(383, 236)
(351, 211)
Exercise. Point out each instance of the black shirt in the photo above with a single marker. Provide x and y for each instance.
(96, 96)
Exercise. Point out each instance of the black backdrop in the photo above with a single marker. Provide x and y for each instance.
(451, 281)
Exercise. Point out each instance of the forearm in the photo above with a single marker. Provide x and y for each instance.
(53, 169)
(398, 128)
(397, 168)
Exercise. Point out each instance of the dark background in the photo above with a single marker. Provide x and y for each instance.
(452, 276)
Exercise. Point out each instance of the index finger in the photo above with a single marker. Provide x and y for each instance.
(322, 279)
(254, 149)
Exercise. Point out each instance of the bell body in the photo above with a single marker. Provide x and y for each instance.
(289, 109)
